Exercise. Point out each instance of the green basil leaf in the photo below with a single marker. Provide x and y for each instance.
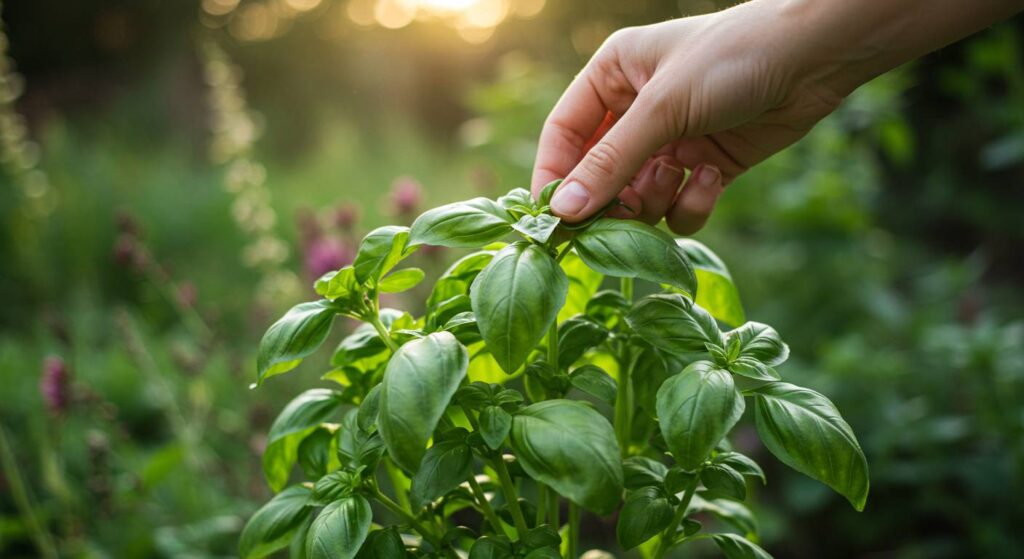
(334, 486)
(340, 529)
(297, 548)
(383, 544)
(594, 381)
(298, 419)
(272, 526)
(444, 467)
(464, 327)
(760, 342)
(541, 536)
(515, 299)
(722, 480)
(737, 547)
(341, 287)
(673, 323)
(474, 395)
(441, 313)
(696, 408)
(741, 464)
(544, 553)
(716, 291)
(364, 341)
(677, 479)
(607, 304)
(418, 384)
(732, 512)
(357, 446)
(645, 514)
(537, 227)
(294, 337)
(649, 372)
(752, 368)
(516, 197)
(467, 224)
(570, 447)
(547, 192)
(804, 430)
(691, 527)
(366, 417)
(631, 249)
(492, 547)
(576, 336)
(495, 424)
(317, 453)
(379, 252)
(640, 471)
(458, 277)
(583, 284)
(402, 280)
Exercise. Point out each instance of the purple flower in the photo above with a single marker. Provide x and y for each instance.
(55, 385)
(326, 254)
(345, 217)
(129, 254)
(405, 197)
(187, 294)
(127, 223)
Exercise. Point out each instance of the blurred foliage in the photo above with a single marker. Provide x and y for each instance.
(885, 247)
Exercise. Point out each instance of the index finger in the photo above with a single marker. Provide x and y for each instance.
(578, 120)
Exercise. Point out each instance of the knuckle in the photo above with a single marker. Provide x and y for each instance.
(565, 133)
(622, 36)
(603, 160)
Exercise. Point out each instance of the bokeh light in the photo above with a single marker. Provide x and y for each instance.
(474, 21)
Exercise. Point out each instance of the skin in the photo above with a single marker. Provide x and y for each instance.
(716, 94)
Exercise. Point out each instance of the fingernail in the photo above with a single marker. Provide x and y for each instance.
(708, 176)
(570, 199)
(668, 175)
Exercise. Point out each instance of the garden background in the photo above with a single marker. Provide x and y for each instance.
(176, 173)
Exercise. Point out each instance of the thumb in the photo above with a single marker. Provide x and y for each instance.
(610, 164)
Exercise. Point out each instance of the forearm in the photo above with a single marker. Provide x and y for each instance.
(845, 43)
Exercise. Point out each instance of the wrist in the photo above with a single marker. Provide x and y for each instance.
(838, 45)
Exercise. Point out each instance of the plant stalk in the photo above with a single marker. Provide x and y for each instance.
(396, 483)
(624, 397)
(407, 516)
(20, 494)
(383, 332)
(485, 506)
(509, 489)
(574, 529)
(665, 543)
(553, 512)
(553, 344)
(626, 288)
(624, 402)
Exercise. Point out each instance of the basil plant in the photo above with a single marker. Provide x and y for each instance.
(526, 394)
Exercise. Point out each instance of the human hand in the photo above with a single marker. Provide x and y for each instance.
(714, 94)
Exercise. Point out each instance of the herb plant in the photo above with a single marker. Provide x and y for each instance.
(525, 387)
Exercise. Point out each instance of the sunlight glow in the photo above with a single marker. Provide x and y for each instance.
(474, 20)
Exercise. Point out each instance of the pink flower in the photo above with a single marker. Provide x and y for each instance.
(55, 385)
(406, 196)
(187, 294)
(326, 254)
(128, 253)
(346, 216)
